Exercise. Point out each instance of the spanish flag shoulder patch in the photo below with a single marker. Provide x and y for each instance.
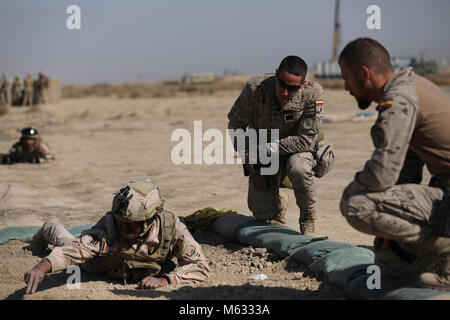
(386, 103)
(319, 102)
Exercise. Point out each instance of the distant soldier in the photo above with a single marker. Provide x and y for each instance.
(2, 95)
(41, 88)
(410, 220)
(29, 149)
(28, 91)
(136, 241)
(16, 91)
(6, 89)
(288, 102)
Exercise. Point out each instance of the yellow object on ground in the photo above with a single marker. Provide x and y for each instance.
(202, 219)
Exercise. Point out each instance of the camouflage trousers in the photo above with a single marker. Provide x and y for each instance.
(54, 233)
(270, 204)
(405, 213)
(27, 98)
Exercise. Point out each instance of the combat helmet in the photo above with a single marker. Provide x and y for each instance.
(139, 200)
(29, 133)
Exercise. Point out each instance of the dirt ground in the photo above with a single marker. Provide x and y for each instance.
(102, 143)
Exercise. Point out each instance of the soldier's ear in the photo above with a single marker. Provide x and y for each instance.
(365, 73)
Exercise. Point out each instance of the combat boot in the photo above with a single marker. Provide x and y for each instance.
(439, 279)
(307, 223)
(280, 218)
(441, 245)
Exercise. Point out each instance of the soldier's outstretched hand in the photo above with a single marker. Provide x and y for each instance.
(36, 275)
(153, 283)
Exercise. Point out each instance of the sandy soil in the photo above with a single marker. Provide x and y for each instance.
(101, 143)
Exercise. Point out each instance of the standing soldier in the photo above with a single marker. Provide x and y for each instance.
(16, 91)
(6, 89)
(41, 88)
(410, 220)
(287, 102)
(134, 241)
(2, 95)
(27, 91)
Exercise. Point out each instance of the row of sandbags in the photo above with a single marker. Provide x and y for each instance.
(345, 264)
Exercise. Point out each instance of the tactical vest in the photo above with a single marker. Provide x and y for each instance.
(126, 263)
(27, 155)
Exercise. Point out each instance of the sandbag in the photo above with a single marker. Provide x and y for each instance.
(26, 233)
(342, 258)
(77, 230)
(342, 276)
(316, 250)
(18, 233)
(279, 239)
(228, 226)
(390, 289)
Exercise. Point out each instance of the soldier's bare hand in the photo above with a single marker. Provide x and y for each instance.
(33, 278)
(36, 275)
(153, 283)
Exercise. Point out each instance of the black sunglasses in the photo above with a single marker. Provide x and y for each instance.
(289, 88)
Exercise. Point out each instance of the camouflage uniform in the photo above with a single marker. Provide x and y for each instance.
(16, 92)
(298, 122)
(20, 153)
(28, 89)
(386, 198)
(41, 88)
(101, 249)
(6, 89)
(2, 94)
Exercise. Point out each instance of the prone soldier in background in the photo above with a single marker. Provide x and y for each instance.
(30, 148)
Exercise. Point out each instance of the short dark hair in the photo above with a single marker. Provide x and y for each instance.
(367, 52)
(294, 65)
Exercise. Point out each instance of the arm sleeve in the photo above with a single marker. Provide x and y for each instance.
(240, 114)
(308, 129)
(391, 135)
(193, 267)
(93, 242)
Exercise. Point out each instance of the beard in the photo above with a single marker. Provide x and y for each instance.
(363, 103)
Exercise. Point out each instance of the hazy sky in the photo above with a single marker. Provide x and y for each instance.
(121, 39)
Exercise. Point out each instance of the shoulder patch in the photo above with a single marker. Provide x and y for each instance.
(319, 102)
(380, 136)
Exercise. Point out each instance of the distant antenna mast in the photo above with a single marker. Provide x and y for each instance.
(335, 32)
